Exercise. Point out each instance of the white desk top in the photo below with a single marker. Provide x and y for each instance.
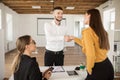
(63, 75)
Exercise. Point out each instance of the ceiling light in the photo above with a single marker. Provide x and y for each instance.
(51, 0)
(70, 7)
(36, 7)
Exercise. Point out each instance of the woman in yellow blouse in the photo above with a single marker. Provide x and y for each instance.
(95, 45)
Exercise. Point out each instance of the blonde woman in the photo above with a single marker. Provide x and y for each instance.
(26, 67)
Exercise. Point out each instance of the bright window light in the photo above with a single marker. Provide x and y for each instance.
(9, 27)
(109, 19)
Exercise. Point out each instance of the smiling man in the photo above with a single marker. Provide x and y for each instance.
(56, 35)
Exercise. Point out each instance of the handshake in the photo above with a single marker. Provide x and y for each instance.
(68, 38)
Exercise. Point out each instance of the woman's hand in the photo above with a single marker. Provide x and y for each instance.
(47, 74)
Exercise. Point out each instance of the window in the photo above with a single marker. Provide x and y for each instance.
(0, 19)
(109, 19)
(9, 27)
(112, 20)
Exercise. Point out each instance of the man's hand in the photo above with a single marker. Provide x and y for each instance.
(68, 38)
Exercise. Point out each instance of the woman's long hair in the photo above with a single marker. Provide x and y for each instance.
(96, 24)
(20, 44)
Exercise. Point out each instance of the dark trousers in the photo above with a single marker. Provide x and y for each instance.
(54, 58)
(102, 71)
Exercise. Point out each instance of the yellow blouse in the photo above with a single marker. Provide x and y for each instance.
(90, 46)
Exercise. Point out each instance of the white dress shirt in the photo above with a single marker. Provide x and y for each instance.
(54, 36)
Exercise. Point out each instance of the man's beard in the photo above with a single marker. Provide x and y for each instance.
(58, 20)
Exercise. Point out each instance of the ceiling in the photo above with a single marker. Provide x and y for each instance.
(25, 6)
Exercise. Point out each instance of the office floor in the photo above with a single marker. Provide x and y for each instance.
(73, 56)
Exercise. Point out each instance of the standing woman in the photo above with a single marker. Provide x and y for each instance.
(24, 66)
(95, 45)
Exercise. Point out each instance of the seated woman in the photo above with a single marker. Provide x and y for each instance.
(24, 66)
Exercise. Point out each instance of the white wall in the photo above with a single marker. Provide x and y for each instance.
(112, 4)
(28, 25)
(106, 6)
(3, 40)
(15, 16)
(117, 23)
(2, 61)
(117, 9)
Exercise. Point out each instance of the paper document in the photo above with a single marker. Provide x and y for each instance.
(58, 69)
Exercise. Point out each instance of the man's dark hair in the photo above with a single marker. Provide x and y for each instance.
(57, 8)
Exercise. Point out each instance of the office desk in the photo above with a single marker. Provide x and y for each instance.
(64, 75)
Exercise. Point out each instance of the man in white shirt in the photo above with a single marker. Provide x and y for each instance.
(55, 34)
